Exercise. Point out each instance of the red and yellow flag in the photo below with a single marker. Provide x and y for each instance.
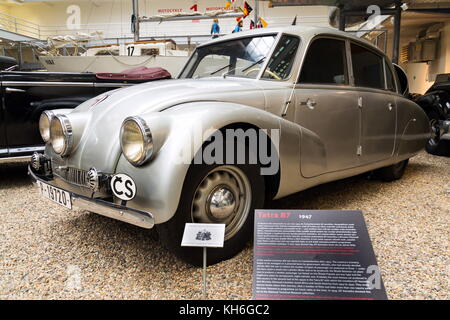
(264, 23)
(228, 4)
(247, 9)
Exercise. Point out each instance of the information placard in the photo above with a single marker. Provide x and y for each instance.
(314, 254)
(203, 235)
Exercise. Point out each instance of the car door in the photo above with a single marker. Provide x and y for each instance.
(326, 105)
(27, 94)
(377, 103)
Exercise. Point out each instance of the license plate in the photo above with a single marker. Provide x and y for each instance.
(56, 195)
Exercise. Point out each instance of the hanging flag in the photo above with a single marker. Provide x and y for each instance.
(228, 5)
(247, 9)
(264, 23)
(294, 23)
(252, 24)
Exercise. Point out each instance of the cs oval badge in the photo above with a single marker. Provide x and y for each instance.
(123, 187)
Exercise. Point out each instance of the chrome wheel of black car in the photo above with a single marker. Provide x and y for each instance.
(435, 131)
(435, 145)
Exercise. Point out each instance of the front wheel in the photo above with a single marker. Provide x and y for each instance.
(224, 194)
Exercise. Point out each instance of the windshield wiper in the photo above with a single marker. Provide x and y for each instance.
(254, 64)
(246, 68)
(219, 69)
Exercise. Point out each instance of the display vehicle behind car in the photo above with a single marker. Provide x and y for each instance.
(25, 95)
(436, 103)
(253, 116)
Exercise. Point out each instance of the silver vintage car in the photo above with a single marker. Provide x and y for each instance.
(252, 116)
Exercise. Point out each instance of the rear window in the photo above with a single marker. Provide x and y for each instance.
(367, 68)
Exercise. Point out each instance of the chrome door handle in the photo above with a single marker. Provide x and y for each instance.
(390, 106)
(310, 103)
(9, 90)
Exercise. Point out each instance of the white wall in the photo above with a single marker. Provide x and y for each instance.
(422, 75)
(113, 17)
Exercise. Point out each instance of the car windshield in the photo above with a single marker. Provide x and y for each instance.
(240, 58)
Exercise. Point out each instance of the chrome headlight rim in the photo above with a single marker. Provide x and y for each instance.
(45, 131)
(67, 134)
(147, 140)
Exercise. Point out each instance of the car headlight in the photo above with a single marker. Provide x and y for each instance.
(136, 140)
(44, 124)
(61, 135)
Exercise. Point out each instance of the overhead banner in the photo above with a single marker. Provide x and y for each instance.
(314, 255)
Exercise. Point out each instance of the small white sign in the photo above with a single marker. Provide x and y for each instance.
(203, 235)
(123, 187)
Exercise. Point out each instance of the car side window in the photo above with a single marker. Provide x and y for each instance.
(390, 82)
(367, 68)
(283, 58)
(325, 63)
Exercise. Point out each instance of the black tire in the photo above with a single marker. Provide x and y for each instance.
(441, 148)
(432, 147)
(435, 145)
(171, 232)
(393, 172)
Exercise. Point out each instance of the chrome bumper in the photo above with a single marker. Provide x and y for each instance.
(105, 208)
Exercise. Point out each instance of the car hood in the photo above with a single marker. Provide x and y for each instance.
(99, 144)
(158, 95)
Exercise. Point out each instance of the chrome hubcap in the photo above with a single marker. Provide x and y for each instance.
(221, 203)
(223, 196)
(435, 130)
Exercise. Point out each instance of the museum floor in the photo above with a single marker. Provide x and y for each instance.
(50, 253)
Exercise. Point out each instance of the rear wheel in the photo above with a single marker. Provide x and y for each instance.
(393, 172)
(226, 194)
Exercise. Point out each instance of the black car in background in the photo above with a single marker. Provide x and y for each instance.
(436, 103)
(25, 95)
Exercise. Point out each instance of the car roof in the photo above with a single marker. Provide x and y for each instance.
(307, 32)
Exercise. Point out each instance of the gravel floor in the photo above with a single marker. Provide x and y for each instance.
(50, 253)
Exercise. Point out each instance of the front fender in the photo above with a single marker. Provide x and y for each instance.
(160, 182)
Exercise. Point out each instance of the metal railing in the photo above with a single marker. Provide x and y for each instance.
(192, 27)
(187, 34)
(20, 26)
